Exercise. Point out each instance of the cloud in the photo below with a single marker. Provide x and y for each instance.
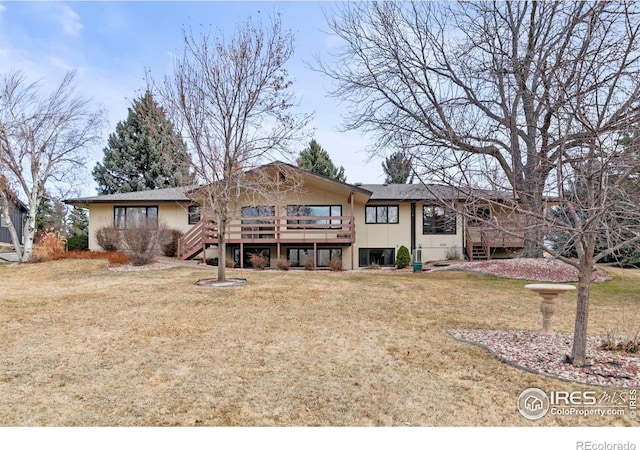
(69, 20)
(2, 9)
(63, 17)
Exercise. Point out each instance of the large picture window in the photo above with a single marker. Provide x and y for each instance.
(438, 220)
(382, 214)
(384, 257)
(256, 227)
(135, 217)
(327, 254)
(297, 256)
(314, 211)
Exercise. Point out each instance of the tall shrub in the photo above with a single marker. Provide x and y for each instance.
(403, 258)
(108, 238)
(142, 244)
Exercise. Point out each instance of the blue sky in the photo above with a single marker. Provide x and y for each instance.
(112, 44)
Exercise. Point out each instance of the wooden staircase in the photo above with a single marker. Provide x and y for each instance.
(197, 239)
(478, 253)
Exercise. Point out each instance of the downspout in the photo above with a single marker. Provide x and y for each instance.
(413, 226)
(352, 227)
(464, 235)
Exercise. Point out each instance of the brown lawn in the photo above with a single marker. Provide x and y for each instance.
(85, 346)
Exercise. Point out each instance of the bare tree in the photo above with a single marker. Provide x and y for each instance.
(487, 83)
(597, 213)
(505, 102)
(42, 137)
(234, 101)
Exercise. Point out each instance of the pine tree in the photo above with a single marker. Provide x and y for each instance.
(78, 222)
(398, 168)
(51, 214)
(143, 153)
(315, 159)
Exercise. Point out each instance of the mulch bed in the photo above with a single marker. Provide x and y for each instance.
(546, 355)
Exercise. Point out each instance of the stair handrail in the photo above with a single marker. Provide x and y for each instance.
(468, 243)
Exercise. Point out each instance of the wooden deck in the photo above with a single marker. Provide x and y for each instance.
(276, 230)
(483, 241)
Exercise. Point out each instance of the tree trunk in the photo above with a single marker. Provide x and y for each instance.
(532, 201)
(28, 235)
(533, 238)
(579, 351)
(533, 228)
(222, 248)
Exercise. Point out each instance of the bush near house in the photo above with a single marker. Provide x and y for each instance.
(170, 249)
(335, 264)
(258, 261)
(403, 258)
(108, 238)
(307, 263)
(78, 242)
(49, 246)
(142, 244)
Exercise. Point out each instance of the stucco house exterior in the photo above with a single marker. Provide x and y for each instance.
(323, 219)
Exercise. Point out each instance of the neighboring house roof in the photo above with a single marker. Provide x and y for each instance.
(176, 194)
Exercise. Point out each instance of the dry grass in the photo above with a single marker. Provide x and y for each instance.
(83, 345)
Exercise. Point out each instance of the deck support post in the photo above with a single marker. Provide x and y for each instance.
(315, 255)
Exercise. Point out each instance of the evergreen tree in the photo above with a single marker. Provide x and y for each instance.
(78, 230)
(51, 214)
(397, 167)
(145, 152)
(78, 222)
(315, 159)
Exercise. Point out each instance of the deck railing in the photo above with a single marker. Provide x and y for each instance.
(508, 234)
(270, 230)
